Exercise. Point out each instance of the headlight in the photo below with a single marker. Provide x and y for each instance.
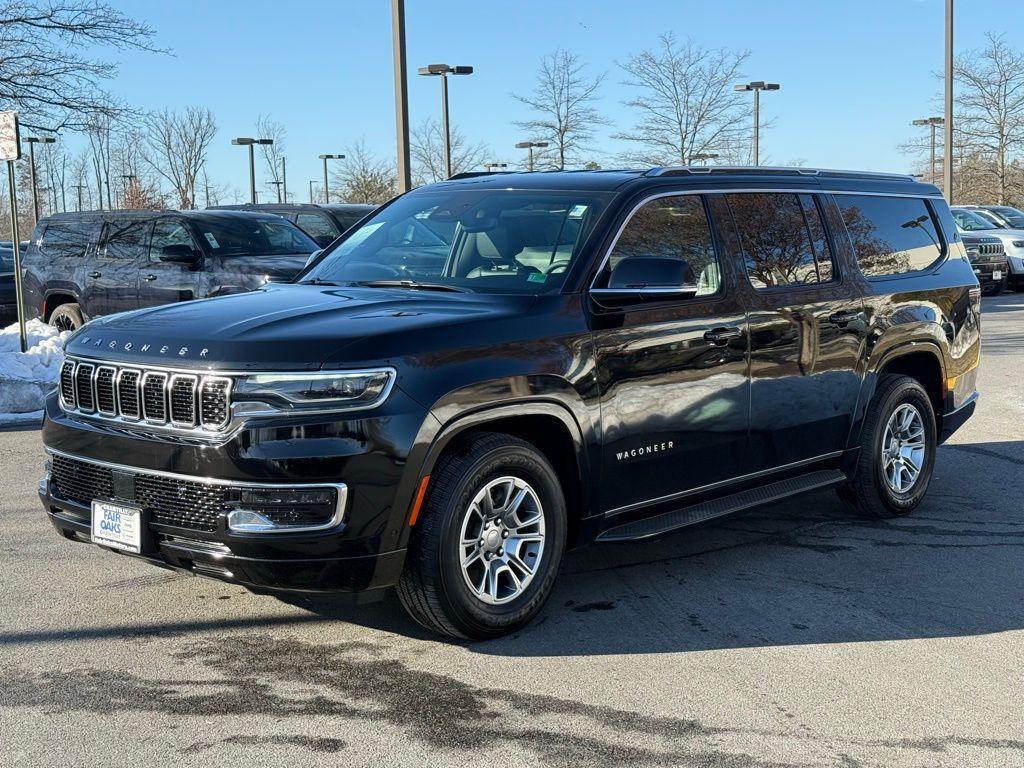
(338, 390)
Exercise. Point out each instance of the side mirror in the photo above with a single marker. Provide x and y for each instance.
(641, 275)
(185, 255)
(312, 257)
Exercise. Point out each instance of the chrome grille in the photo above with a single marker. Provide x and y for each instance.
(990, 249)
(182, 396)
(179, 400)
(128, 393)
(105, 402)
(83, 387)
(67, 383)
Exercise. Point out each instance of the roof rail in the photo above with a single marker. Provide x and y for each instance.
(682, 170)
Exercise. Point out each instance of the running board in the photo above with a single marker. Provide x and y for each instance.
(698, 513)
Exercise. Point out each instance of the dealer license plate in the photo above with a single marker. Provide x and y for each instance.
(117, 525)
(997, 275)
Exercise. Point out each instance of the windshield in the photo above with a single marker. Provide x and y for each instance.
(1013, 217)
(499, 241)
(251, 236)
(969, 221)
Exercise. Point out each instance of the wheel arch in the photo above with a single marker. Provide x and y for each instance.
(920, 360)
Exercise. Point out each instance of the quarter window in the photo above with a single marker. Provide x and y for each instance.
(783, 239)
(67, 237)
(671, 228)
(890, 235)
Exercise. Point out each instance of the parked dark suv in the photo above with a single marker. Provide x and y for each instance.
(497, 367)
(8, 301)
(323, 223)
(85, 265)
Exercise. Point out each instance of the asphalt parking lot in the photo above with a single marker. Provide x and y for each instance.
(796, 635)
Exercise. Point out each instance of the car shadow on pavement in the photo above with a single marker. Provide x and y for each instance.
(807, 571)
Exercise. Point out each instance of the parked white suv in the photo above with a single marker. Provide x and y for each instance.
(977, 220)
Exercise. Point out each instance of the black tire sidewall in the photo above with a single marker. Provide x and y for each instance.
(912, 393)
(465, 609)
(72, 311)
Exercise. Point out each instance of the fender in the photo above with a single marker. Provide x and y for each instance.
(62, 289)
(434, 436)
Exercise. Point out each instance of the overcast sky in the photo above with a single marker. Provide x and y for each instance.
(853, 74)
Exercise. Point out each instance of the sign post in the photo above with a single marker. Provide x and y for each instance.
(10, 150)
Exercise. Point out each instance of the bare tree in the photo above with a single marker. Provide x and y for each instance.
(100, 130)
(176, 144)
(272, 153)
(563, 98)
(363, 177)
(991, 106)
(47, 67)
(427, 150)
(685, 102)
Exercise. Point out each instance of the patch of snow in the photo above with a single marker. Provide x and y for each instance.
(26, 377)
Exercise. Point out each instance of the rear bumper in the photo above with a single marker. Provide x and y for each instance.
(953, 420)
(269, 563)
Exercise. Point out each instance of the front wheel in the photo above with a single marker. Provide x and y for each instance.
(67, 317)
(484, 557)
(897, 450)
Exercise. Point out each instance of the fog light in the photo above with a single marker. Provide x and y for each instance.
(286, 509)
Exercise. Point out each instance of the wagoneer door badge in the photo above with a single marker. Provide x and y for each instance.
(645, 450)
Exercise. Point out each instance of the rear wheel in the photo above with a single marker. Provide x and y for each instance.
(484, 557)
(897, 450)
(67, 317)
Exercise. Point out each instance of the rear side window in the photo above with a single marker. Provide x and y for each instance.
(126, 239)
(316, 226)
(671, 228)
(66, 238)
(890, 235)
(783, 239)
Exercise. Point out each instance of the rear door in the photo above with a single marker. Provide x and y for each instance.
(806, 324)
(161, 282)
(671, 369)
(111, 277)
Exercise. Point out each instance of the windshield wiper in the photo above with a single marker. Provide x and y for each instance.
(319, 281)
(411, 284)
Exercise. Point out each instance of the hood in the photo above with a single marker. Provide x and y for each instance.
(284, 327)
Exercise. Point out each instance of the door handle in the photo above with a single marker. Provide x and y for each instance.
(719, 337)
(94, 275)
(149, 278)
(843, 318)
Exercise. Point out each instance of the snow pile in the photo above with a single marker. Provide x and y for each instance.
(26, 378)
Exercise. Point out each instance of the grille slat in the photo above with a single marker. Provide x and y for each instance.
(173, 400)
(128, 393)
(105, 401)
(83, 387)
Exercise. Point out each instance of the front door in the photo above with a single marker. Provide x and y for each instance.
(671, 368)
(112, 275)
(807, 329)
(162, 282)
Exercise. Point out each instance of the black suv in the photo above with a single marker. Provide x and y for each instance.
(83, 265)
(324, 223)
(8, 302)
(496, 367)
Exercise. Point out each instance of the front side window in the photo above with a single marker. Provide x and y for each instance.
(495, 241)
(168, 232)
(252, 236)
(126, 239)
(783, 238)
(674, 228)
(890, 235)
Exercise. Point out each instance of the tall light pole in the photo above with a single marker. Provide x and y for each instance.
(530, 145)
(491, 167)
(757, 86)
(250, 143)
(932, 123)
(443, 70)
(79, 187)
(32, 141)
(947, 160)
(276, 184)
(311, 183)
(325, 158)
(284, 179)
(401, 95)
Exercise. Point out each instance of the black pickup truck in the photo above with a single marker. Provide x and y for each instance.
(491, 369)
(79, 266)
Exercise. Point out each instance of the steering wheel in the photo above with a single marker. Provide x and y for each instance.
(557, 268)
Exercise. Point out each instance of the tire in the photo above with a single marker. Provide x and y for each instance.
(67, 317)
(870, 491)
(435, 589)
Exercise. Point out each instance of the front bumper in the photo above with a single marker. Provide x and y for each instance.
(274, 562)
